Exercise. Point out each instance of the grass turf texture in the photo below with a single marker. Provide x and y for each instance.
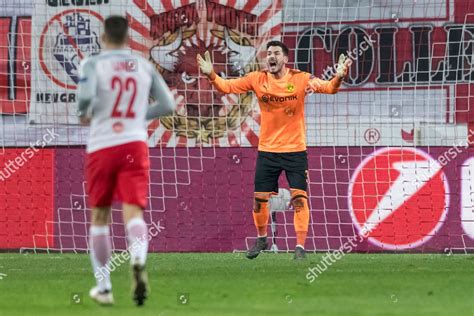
(229, 284)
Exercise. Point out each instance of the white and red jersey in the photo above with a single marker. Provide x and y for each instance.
(118, 85)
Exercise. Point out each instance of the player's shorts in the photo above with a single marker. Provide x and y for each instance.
(121, 171)
(270, 165)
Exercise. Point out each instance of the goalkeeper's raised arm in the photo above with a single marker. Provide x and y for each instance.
(330, 86)
(275, 67)
(239, 85)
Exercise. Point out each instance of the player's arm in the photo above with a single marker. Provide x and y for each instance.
(239, 85)
(87, 89)
(165, 103)
(331, 86)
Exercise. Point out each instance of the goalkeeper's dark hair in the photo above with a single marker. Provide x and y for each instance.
(284, 48)
(116, 29)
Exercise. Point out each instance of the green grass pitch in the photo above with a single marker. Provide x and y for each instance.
(229, 284)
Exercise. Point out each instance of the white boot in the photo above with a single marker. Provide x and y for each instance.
(103, 298)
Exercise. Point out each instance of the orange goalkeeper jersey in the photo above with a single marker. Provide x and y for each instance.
(281, 103)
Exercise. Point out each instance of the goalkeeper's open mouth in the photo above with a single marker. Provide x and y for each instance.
(272, 64)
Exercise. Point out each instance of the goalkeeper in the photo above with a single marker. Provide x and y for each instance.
(282, 143)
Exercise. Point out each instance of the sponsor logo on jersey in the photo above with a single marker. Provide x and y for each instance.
(271, 98)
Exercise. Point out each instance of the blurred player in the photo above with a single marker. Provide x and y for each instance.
(114, 90)
(282, 143)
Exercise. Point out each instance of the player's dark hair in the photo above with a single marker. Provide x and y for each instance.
(284, 48)
(116, 29)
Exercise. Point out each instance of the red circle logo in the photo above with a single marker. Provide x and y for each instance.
(398, 198)
(66, 39)
(118, 127)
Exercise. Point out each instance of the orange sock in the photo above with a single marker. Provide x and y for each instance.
(299, 199)
(260, 212)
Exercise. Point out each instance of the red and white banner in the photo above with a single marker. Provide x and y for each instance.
(235, 32)
(411, 74)
(15, 65)
(64, 34)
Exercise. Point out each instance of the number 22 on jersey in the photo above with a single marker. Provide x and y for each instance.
(129, 85)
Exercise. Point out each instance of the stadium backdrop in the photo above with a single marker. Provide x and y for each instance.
(204, 201)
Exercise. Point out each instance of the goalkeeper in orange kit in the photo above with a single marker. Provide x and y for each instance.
(282, 143)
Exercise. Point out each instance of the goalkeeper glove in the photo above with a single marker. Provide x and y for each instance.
(343, 65)
(205, 64)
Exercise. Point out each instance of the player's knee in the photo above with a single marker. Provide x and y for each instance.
(260, 202)
(131, 211)
(260, 205)
(299, 202)
(100, 216)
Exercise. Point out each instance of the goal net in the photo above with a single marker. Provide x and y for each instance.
(390, 164)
